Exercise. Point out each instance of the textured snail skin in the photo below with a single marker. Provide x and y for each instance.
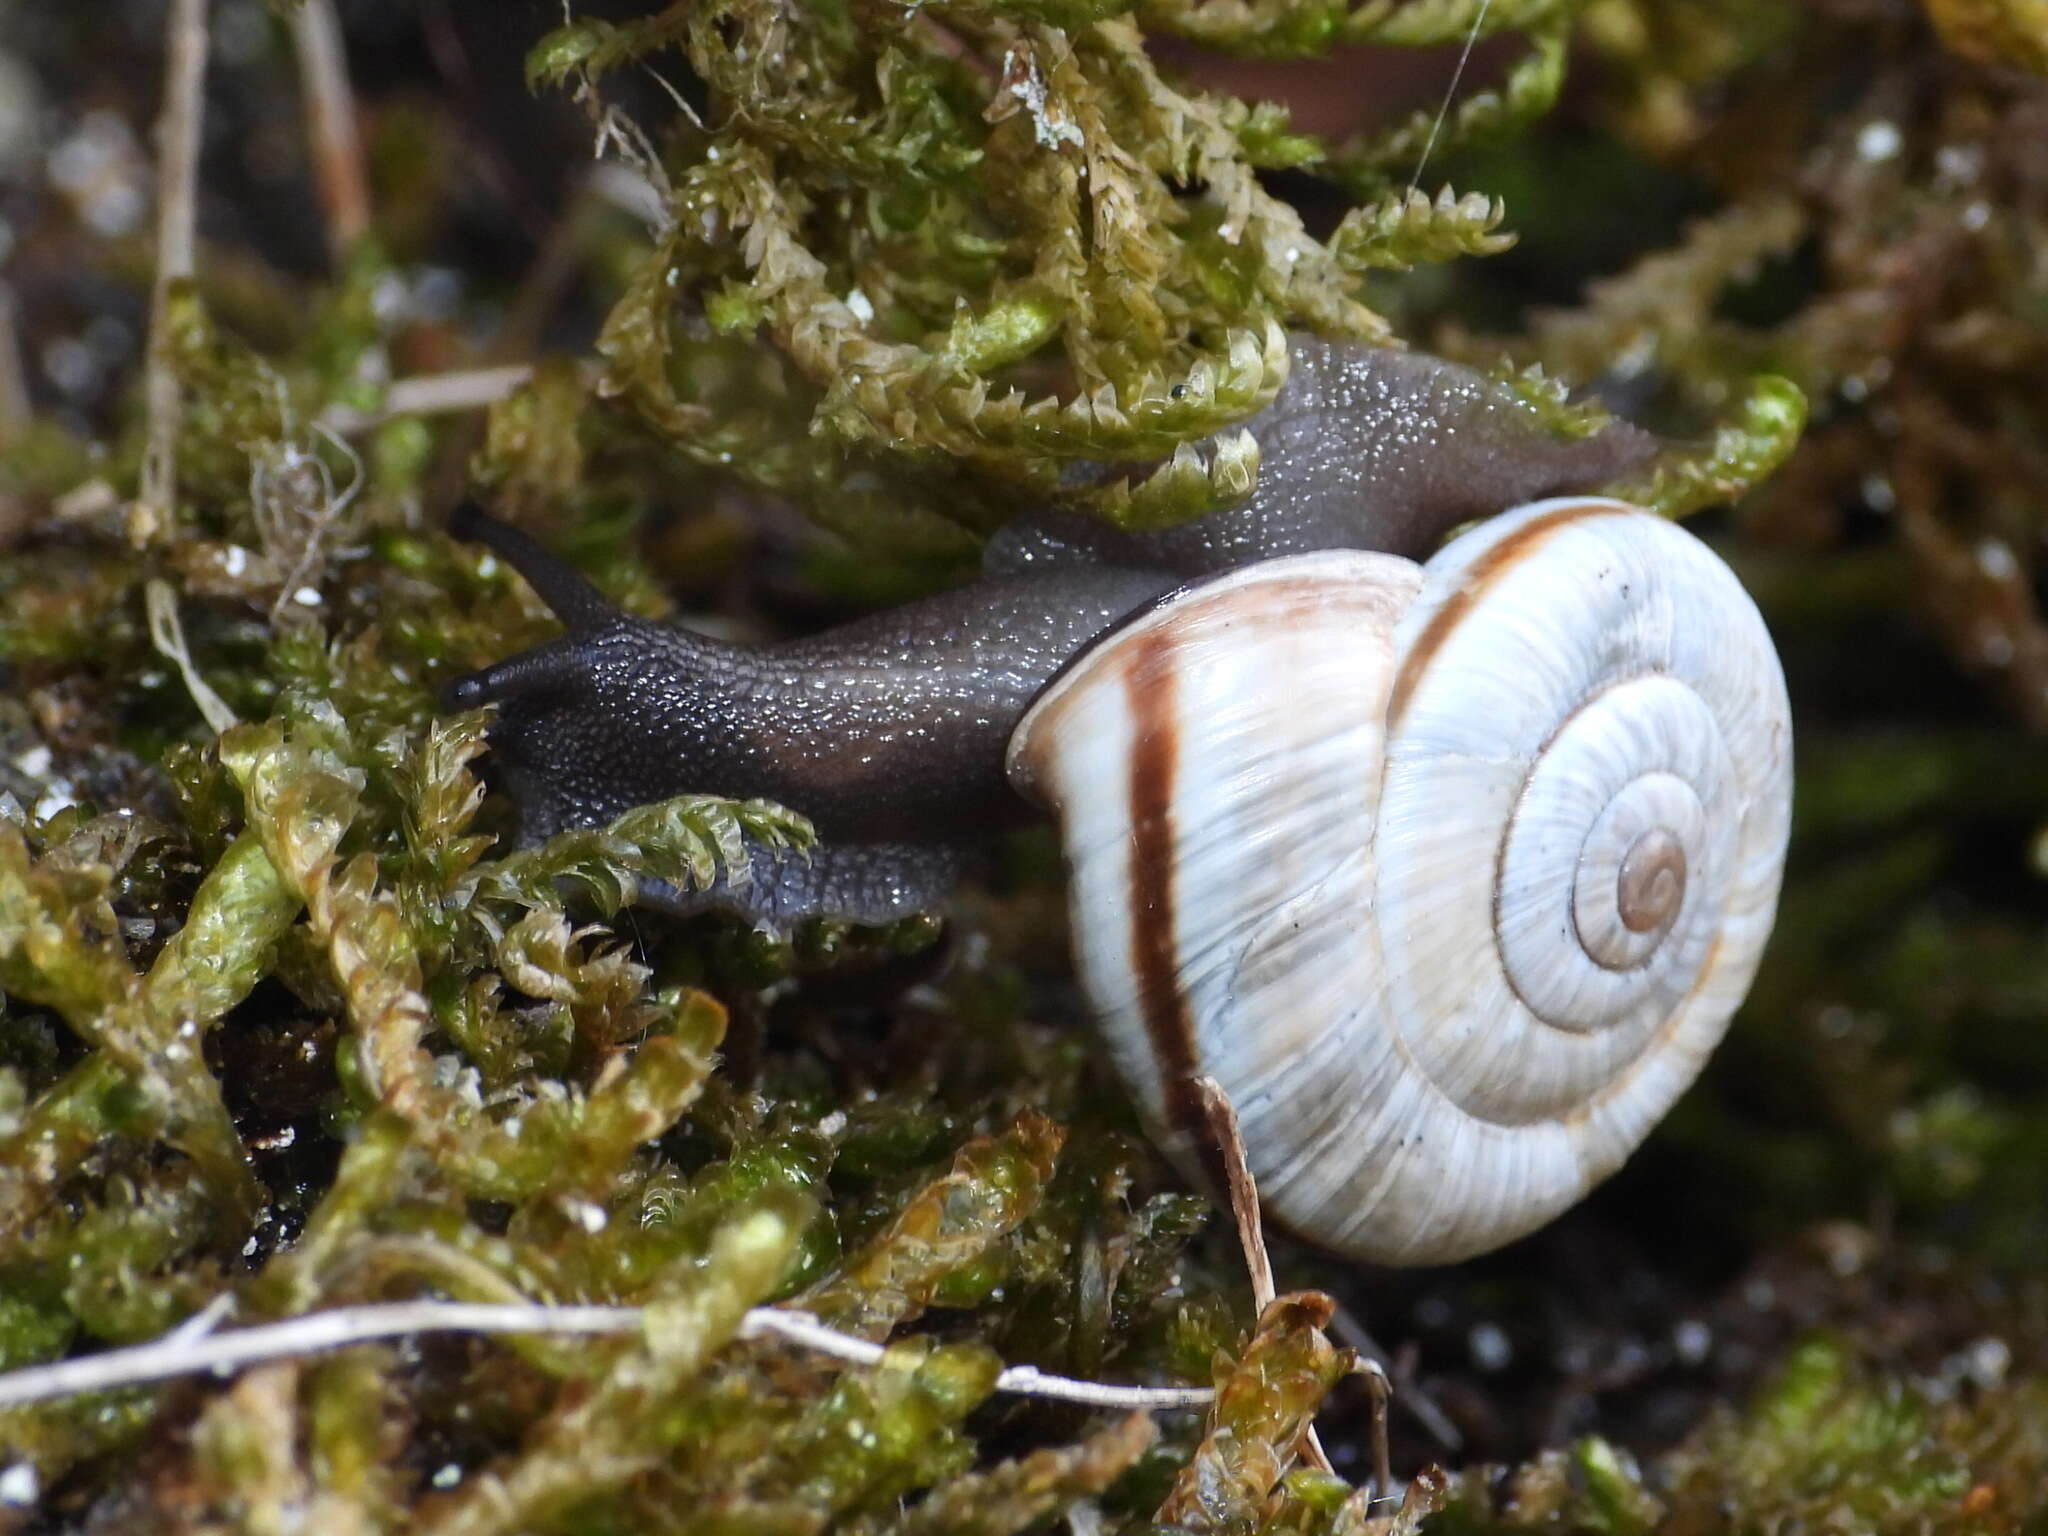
(1455, 959)
(1364, 448)
(890, 732)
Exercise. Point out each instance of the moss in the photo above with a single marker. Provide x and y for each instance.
(1265, 1403)
(1825, 1446)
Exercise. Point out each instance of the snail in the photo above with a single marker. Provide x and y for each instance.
(1449, 865)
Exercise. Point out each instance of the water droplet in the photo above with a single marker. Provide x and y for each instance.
(1879, 141)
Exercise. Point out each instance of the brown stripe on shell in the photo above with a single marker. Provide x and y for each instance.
(1485, 571)
(1150, 686)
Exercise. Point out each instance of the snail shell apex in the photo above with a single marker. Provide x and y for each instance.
(1451, 875)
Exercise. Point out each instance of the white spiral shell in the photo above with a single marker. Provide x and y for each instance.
(1450, 875)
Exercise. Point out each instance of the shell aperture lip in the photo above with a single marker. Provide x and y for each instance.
(1298, 646)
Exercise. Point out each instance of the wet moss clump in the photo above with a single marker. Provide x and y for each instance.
(289, 1025)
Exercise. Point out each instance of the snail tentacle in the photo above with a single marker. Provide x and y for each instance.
(568, 594)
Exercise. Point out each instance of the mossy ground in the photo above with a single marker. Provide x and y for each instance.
(282, 1021)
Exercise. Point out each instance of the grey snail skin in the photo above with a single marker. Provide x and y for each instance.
(1450, 874)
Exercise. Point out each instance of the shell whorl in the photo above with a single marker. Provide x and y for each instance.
(1451, 875)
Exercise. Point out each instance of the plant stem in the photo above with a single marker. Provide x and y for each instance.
(331, 125)
(193, 1351)
(176, 219)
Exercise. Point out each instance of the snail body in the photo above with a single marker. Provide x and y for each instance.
(1449, 874)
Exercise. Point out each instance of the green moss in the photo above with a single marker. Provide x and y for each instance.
(1827, 1445)
(1265, 1403)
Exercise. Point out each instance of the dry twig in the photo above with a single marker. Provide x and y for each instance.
(1251, 1235)
(331, 124)
(1243, 1190)
(195, 1352)
(1407, 1391)
(176, 220)
(167, 634)
(432, 394)
(14, 403)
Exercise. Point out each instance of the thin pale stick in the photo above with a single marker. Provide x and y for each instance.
(177, 201)
(331, 124)
(1030, 1381)
(1402, 1386)
(188, 1353)
(14, 402)
(314, 1333)
(1023, 1380)
(432, 394)
(202, 1322)
(1313, 1453)
(15, 414)
(1243, 1189)
(628, 191)
(1382, 1458)
(1450, 91)
(1251, 1227)
(167, 634)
